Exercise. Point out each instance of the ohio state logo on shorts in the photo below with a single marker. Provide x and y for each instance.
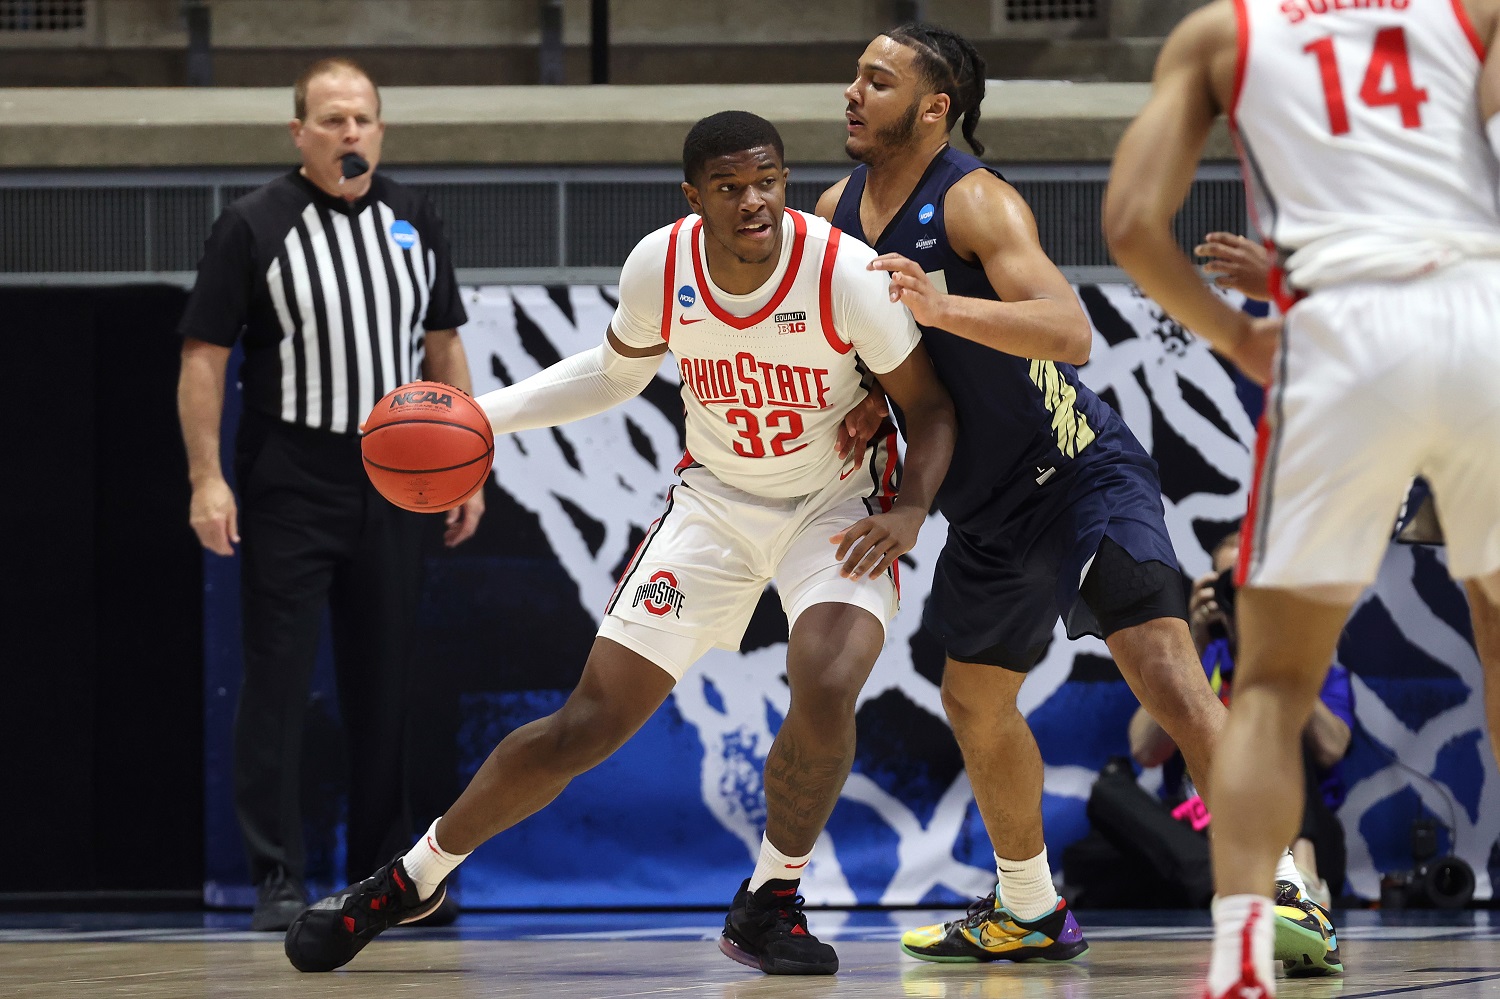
(660, 594)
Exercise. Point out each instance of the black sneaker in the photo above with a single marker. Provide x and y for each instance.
(330, 932)
(279, 899)
(768, 930)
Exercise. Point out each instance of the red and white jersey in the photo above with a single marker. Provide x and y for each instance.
(1359, 128)
(766, 377)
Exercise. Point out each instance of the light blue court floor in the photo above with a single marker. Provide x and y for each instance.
(612, 955)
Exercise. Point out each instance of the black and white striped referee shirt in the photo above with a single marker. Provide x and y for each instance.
(333, 298)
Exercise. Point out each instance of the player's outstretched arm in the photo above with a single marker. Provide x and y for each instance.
(871, 545)
(1038, 315)
(1153, 171)
(575, 387)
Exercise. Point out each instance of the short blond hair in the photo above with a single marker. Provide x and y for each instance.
(328, 67)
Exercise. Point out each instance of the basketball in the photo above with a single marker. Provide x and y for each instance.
(427, 446)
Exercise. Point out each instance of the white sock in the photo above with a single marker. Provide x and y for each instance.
(1025, 886)
(773, 865)
(427, 864)
(1232, 914)
(1286, 870)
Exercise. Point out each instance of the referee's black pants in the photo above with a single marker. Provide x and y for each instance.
(315, 534)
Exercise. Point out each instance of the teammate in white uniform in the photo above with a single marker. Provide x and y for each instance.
(771, 314)
(1362, 129)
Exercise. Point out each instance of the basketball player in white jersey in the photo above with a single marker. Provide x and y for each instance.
(771, 315)
(1363, 128)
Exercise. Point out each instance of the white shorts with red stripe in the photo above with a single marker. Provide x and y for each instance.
(1378, 383)
(695, 580)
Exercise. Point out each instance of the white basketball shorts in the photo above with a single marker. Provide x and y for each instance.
(1378, 383)
(695, 580)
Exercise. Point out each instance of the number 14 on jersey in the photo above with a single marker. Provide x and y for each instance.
(1388, 80)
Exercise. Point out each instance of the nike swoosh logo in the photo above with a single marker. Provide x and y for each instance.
(684, 320)
(852, 470)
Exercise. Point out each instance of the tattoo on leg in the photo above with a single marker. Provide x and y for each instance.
(801, 790)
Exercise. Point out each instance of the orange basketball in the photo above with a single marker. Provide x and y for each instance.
(427, 446)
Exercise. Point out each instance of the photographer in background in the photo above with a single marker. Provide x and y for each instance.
(1319, 847)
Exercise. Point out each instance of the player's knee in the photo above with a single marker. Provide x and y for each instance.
(581, 739)
(826, 696)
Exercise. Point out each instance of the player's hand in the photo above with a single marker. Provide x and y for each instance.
(860, 424)
(214, 516)
(869, 547)
(1237, 263)
(1255, 353)
(911, 286)
(462, 521)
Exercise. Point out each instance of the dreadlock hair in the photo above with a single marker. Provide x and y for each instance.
(950, 65)
(725, 133)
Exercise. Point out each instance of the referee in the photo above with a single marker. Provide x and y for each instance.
(342, 288)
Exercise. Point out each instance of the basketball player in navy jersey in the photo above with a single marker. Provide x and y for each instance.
(1053, 506)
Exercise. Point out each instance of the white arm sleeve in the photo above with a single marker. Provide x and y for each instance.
(575, 387)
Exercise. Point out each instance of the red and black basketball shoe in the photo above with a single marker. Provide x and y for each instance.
(767, 929)
(330, 932)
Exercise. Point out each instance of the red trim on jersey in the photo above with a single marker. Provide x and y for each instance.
(1282, 293)
(1468, 26)
(669, 278)
(1242, 58)
(799, 229)
(686, 462)
(825, 293)
(1252, 190)
(1247, 529)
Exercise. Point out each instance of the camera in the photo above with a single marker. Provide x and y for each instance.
(1433, 882)
(1224, 590)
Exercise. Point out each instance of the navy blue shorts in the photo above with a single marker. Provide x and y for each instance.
(998, 591)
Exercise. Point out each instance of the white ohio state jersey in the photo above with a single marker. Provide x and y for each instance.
(766, 377)
(1359, 129)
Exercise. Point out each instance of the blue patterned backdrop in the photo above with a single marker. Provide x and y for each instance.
(675, 817)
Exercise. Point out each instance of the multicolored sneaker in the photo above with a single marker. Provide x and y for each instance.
(329, 933)
(767, 929)
(1306, 944)
(990, 933)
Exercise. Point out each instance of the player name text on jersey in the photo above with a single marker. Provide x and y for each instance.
(1299, 10)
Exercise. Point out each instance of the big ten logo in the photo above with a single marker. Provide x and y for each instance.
(790, 322)
(659, 594)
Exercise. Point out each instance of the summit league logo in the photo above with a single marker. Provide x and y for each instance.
(660, 594)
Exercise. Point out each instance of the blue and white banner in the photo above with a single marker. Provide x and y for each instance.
(675, 818)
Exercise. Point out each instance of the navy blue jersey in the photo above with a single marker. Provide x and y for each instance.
(1022, 423)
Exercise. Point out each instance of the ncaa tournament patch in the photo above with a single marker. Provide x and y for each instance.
(403, 234)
